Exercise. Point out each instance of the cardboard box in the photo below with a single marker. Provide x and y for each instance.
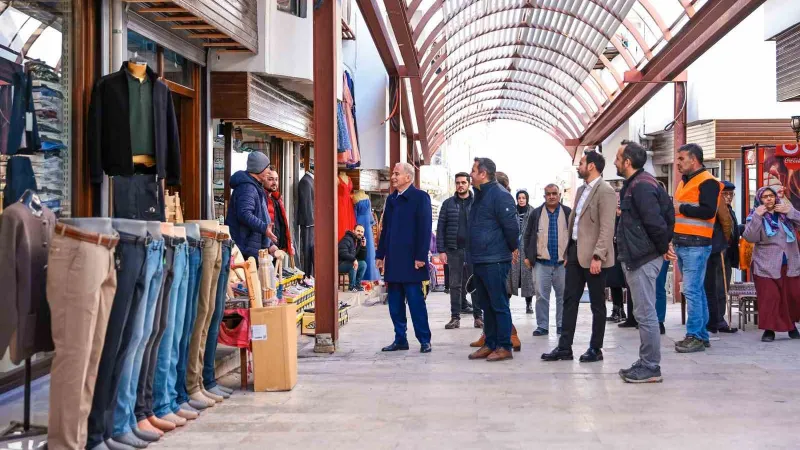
(308, 326)
(273, 334)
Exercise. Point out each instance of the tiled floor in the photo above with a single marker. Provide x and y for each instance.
(741, 393)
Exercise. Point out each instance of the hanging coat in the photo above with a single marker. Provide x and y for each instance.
(364, 218)
(521, 276)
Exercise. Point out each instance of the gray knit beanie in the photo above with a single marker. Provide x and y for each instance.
(257, 162)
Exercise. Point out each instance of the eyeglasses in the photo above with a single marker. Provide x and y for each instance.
(767, 196)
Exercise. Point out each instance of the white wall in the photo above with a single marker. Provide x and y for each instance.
(779, 15)
(285, 46)
(361, 58)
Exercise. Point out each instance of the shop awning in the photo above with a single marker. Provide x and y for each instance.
(252, 101)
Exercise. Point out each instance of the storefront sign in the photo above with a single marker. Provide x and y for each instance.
(369, 180)
(790, 154)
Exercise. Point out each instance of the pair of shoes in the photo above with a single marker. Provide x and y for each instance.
(500, 354)
(641, 374)
(515, 342)
(481, 353)
(480, 342)
(558, 354)
(794, 334)
(360, 289)
(455, 322)
(529, 309)
(425, 348)
(729, 330)
(690, 345)
(353, 289)
(623, 372)
(661, 328)
(768, 336)
(540, 332)
(478, 323)
(395, 347)
(592, 355)
(628, 324)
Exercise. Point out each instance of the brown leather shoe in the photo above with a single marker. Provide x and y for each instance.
(515, 342)
(500, 354)
(478, 323)
(480, 342)
(481, 353)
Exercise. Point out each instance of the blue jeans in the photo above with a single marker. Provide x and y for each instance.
(192, 291)
(124, 417)
(661, 292)
(209, 375)
(168, 352)
(399, 294)
(356, 276)
(489, 281)
(692, 262)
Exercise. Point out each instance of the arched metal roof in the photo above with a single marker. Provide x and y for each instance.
(554, 64)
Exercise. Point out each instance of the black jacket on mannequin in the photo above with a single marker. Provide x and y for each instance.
(109, 134)
(305, 201)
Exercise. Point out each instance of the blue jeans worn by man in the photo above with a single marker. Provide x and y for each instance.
(355, 275)
(661, 292)
(209, 358)
(692, 263)
(168, 354)
(124, 418)
(489, 283)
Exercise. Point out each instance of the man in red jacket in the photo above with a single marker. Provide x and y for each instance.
(277, 214)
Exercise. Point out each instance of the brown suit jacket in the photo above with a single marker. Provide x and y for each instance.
(596, 226)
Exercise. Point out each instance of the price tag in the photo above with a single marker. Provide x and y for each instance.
(258, 333)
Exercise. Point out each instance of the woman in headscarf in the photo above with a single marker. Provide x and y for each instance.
(776, 263)
(521, 276)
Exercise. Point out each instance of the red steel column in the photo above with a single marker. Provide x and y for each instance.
(679, 139)
(396, 89)
(325, 246)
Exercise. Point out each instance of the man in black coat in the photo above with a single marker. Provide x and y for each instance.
(451, 243)
(353, 256)
(643, 239)
(731, 256)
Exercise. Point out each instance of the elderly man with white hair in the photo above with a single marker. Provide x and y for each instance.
(403, 254)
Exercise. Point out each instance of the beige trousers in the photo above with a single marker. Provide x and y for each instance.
(212, 264)
(81, 282)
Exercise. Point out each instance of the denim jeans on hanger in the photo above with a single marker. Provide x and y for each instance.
(169, 350)
(124, 418)
(209, 376)
(193, 290)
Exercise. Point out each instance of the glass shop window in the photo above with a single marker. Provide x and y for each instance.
(297, 8)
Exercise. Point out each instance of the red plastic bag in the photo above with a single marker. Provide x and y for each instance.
(239, 335)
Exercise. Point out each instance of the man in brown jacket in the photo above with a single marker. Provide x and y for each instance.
(589, 253)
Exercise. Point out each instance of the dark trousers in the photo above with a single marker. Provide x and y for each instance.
(447, 276)
(210, 356)
(399, 294)
(460, 272)
(578, 277)
(192, 293)
(307, 249)
(139, 197)
(144, 390)
(715, 293)
(489, 281)
(130, 256)
(617, 298)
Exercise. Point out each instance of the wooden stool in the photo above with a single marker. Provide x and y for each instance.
(344, 282)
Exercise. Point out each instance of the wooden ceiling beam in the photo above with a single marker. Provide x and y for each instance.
(232, 44)
(161, 10)
(208, 36)
(194, 27)
(178, 19)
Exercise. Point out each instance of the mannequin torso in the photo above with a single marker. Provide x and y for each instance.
(192, 230)
(180, 232)
(207, 225)
(154, 229)
(168, 228)
(134, 227)
(100, 225)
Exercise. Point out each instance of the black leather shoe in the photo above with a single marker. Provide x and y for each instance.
(592, 355)
(628, 324)
(425, 348)
(661, 328)
(558, 354)
(394, 347)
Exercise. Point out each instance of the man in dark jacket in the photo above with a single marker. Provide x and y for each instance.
(451, 243)
(403, 251)
(493, 237)
(731, 260)
(645, 230)
(247, 217)
(277, 214)
(353, 256)
(545, 244)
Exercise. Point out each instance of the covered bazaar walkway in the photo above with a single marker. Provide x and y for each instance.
(740, 393)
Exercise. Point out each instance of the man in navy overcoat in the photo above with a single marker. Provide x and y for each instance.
(403, 254)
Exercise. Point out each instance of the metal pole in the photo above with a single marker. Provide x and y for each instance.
(679, 139)
(396, 88)
(326, 28)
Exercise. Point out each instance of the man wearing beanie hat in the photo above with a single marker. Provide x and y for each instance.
(248, 216)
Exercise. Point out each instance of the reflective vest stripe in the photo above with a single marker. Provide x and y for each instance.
(693, 222)
(689, 194)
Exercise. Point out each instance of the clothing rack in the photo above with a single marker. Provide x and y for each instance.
(23, 430)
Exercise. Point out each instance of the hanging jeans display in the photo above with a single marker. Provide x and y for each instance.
(169, 351)
(209, 378)
(130, 258)
(81, 282)
(138, 197)
(144, 392)
(195, 269)
(212, 263)
(142, 322)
